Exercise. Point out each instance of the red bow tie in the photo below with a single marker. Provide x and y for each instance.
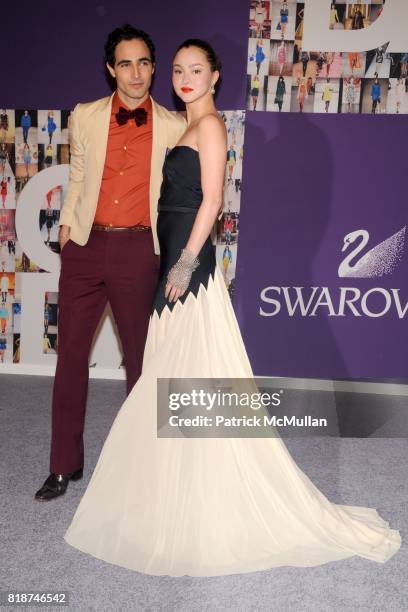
(138, 114)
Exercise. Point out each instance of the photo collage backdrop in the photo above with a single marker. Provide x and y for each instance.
(34, 140)
(281, 77)
(30, 141)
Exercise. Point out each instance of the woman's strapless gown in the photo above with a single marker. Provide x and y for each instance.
(206, 506)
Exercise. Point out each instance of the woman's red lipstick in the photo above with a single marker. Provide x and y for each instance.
(186, 89)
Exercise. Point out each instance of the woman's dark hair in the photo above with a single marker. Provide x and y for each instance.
(126, 32)
(211, 55)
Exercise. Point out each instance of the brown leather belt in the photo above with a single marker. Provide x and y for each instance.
(131, 228)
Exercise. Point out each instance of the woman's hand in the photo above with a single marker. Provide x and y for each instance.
(178, 279)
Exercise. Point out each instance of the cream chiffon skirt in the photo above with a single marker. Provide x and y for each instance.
(209, 506)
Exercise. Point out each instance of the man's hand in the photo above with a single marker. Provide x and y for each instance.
(63, 235)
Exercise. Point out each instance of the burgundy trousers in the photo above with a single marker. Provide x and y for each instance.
(119, 267)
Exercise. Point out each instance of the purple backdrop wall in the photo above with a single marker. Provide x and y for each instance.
(308, 181)
(54, 51)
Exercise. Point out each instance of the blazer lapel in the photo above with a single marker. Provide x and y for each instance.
(159, 140)
(101, 132)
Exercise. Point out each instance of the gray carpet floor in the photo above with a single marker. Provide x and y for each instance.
(34, 556)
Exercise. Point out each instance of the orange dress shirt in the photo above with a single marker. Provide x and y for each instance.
(124, 194)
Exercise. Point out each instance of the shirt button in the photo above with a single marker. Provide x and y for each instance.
(116, 201)
(125, 147)
(110, 224)
(121, 173)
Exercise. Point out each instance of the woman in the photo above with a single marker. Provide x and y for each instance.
(329, 58)
(204, 506)
(357, 22)
(259, 17)
(284, 17)
(254, 91)
(259, 55)
(231, 161)
(354, 60)
(327, 95)
(50, 220)
(379, 58)
(4, 317)
(226, 262)
(51, 126)
(4, 255)
(4, 156)
(280, 92)
(27, 158)
(350, 92)
(281, 56)
(4, 288)
(304, 58)
(375, 95)
(49, 152)
(4, 124)
(334, 17)
(3, 191)
(47, 315)
(301, 94)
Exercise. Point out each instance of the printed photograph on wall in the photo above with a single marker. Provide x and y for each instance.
(258, 56)
(350, 95)
(50, 343)
(260, 19)
(302, 95)
(278, 93)
(276, 30)
(49, 219)
(283, 20)
(49, 127)
(374, 94)
(23, 262)
(227, 228)
(327, 95)
(281, 58)
(7, 125)
(26, 146)
(227, 260)
(7, 255)
(397, 97)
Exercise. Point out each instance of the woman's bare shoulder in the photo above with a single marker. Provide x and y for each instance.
(211, 126)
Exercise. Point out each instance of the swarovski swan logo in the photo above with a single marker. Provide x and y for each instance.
(371, 302)
(382, 259)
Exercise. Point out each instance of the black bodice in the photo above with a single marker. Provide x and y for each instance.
(180, 198)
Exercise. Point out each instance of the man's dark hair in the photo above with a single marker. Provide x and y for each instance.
(126, 32)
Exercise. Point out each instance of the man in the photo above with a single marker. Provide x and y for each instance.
(108, 236)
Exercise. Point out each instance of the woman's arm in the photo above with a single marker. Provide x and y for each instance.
(212, 149)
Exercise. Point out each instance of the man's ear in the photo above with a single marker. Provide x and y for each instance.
(111, 70)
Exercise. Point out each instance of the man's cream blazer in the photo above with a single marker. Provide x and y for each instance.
(89, 127)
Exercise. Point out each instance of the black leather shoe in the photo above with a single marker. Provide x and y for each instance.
(56, 485)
